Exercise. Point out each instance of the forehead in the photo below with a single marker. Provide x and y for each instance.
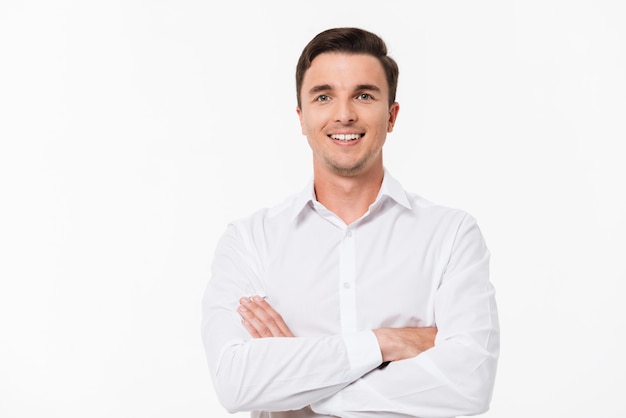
(344, 70)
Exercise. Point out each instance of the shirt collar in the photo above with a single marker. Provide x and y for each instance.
(390, 187)
(302, 199)
(393, 189)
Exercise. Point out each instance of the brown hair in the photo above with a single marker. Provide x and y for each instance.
(353, 41)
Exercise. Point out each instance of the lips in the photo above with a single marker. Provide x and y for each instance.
(346, 137)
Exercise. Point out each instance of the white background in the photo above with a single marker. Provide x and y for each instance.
(133, 131)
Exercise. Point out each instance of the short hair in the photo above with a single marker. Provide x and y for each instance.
(352, 41)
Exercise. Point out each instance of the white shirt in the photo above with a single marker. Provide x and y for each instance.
(405, 263)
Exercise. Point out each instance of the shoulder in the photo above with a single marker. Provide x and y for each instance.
(419, 207)
(453, 228)
(266, 219)
(422, 207)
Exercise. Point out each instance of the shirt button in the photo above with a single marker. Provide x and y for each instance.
(346, 285)
(349, 234)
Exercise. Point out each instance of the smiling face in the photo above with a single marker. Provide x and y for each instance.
(345, 113)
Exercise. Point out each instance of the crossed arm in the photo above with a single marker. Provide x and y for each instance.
(436, 372)
(262, 321)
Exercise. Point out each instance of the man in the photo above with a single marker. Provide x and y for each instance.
(353, 298)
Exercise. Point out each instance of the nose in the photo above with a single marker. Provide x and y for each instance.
(345, 112)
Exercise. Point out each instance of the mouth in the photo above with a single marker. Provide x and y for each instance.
(346, 137)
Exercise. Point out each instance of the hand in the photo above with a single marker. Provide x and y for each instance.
(260, 319)
(402, 343)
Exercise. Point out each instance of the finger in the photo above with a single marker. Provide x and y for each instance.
(253, 332)
(249, 320)
(268, 317)
(259, 319)
(275, 317)
(272, 318)
(264, 319)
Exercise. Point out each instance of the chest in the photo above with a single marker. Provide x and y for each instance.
(373, 279)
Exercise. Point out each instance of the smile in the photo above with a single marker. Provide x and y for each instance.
(346, 137)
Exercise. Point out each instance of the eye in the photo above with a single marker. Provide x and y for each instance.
(364, 96)
(322, 98)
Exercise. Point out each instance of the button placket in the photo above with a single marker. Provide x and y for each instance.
(347, 275)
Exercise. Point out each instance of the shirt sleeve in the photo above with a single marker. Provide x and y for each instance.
(272, 374)
(457, 375)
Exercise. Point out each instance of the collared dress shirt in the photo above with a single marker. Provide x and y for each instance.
(405, 263)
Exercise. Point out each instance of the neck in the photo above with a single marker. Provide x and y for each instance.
(348, 197)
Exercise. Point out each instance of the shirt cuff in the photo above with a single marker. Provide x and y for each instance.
(363, 351)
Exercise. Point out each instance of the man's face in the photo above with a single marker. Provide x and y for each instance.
(345, 112)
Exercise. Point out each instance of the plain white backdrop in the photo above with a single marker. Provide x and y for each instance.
(131, 132)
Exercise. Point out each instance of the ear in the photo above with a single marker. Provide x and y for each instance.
(299, 112)
(393, 114)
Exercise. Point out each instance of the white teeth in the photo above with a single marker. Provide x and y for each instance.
(342, 137)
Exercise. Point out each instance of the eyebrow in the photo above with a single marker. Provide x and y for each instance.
(326, 87)
(368, 87)
(320, 88)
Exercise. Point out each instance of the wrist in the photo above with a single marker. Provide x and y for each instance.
(384, 343)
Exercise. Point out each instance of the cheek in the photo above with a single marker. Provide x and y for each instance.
(384, 125)
(302, 127)
(311, 124)
(305, 125)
